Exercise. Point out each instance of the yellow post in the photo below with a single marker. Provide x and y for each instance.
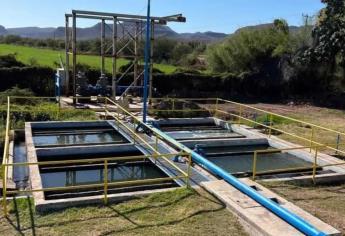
(216, 110)
(312, 138)
(315, 165)
(254, 164)
(4, 202)
(105, 177)
(189, 170)
(173, 104)
(240, 115)
(106, 104)
(271, 123)
(156, 144)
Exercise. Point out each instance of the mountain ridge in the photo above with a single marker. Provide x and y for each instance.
(94, 32)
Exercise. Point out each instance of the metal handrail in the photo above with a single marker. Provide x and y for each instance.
(105, 183)
(6, 155)
(270, 127)
(282, 116)
(313, 167)
(146, 143)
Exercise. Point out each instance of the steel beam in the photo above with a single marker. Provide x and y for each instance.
(111, 19)
(67, 55)
(114, 57)
(151, 61)
(174, 18)
(102, 46)
(74, 52)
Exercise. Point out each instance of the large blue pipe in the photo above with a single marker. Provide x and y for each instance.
(147, 60)
(281, 212)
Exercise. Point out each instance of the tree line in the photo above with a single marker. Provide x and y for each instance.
(166, 51)
(312, 57)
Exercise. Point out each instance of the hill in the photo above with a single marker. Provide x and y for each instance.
(94, 32)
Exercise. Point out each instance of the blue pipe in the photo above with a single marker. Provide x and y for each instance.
(281, 212)
(147, 59)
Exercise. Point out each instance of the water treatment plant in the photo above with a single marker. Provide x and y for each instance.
(139, 145)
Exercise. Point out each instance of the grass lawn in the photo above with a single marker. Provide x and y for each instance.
(324, 202)
(48, 57)
(180, 212)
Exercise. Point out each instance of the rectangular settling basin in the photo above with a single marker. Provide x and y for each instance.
(229, 150)
(77, 136)
(238, 160)
(75, 141)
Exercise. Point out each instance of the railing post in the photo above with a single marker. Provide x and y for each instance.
(105, 177)
(4, 189)
(216, 110)
(156, 143)
(337, 146)
(189, 170)
(312, 138)
(106, 104)
(240, 115)
(315, 165)
(254, 164)
(271, 124)
(173, 104)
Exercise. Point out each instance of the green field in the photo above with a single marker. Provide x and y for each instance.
(48, 57)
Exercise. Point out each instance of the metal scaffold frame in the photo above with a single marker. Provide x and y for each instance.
(117, 20)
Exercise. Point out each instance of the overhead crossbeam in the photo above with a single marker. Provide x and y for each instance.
(173, 18)
(106, 18)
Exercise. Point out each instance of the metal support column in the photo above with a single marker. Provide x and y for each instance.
(114, 57)
(74, 49)
(67, 55)
(151, 59)
(136, 53)
(102, 46)
(147, 60)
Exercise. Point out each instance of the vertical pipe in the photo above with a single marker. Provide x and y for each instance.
(67, 55)
(114, 58)
(147, 60)
(151, 60)
(102, 45)
(74, 52)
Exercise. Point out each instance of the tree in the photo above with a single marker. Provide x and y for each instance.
(250, 50)
(329, 35)
(327, 52)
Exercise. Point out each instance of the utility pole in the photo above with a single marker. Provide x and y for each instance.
(147, 59)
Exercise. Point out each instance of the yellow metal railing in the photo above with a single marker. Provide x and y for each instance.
(314, 162)
(313, 127)
(5, 157)
(136, 138)
(106, 183)
(240, 114)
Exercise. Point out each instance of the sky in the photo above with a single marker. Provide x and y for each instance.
(202, 15)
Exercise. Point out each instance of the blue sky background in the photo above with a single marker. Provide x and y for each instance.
(202, 15)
